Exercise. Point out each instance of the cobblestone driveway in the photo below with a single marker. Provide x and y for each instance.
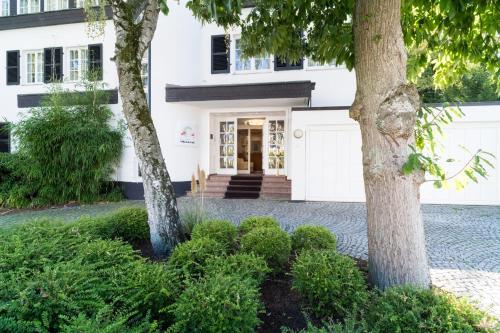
(463, 242)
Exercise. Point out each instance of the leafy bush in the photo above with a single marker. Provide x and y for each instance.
(329, 283)
(244, 265)
(273, 244)
(308, 237)
(254, 222)
(188, 259)
(223, 232)
(67, 151)
(406, 309)
(217, 304)
(350, 325)
(51, 273)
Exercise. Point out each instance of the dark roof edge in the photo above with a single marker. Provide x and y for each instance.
(174, 86)
(58, 17)
(34, 100)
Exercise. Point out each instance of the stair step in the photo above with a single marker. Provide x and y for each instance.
(249, 177)
(276, 190)
(242, 195)
(246, 182)
(245, 188)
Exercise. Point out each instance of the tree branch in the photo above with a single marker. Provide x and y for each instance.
(148, 25)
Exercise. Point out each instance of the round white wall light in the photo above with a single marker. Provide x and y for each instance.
(298, 133)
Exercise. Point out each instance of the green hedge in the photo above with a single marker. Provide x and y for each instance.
(247, 266)
(253, 222)
(329, 283)
(273, 244)
(217, 304)
(309, 237)
(223, 232)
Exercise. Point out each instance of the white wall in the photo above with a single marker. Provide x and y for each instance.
(327, 159)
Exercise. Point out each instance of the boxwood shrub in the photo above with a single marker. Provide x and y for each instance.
(241, 264)
(407, 309)
(254, 222)
(273, 244)
(223, 232)
(329, 283)
(218, 304)
(189, 258)
(309, 237)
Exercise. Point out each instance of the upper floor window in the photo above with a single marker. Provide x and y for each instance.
(220, 54)
(56, 5)
(285, 64)
(4, 138)
(78, 63)
(4, 7)
(29, 6)
(34, 66)
(316, 64)
(249, 64)
(81, 3)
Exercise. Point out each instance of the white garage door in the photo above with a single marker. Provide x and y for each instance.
(333, 163)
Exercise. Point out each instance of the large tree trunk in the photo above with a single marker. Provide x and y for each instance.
(132, 39)
(385, 107)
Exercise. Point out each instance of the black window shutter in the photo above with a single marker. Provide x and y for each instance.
(95, 60)
(220, 55)
(58, 64)
(13, 73)
(284, 64)
(4, 138)
(48, 65)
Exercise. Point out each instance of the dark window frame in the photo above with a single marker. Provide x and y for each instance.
(289, 65)
(96, 64)
(53, 66)
(8, 137)
(227, 53)
(17, 67)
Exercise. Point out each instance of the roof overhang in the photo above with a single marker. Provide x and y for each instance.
(226, 92)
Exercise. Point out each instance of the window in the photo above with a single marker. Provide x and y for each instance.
(95, 60)
(81, 3)
(56, 5)
(12, 67)
(316, 64)
(78, 63)
(53, 65)
(29, 6)
(34, 67)
(220, 54)
(286, 65)
(4, 138)
(145, 72)
(256, 64)
(276, 156)
(4, 7)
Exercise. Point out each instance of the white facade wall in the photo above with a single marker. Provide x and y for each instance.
(327, 163)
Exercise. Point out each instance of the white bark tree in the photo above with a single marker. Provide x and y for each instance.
(135, 24)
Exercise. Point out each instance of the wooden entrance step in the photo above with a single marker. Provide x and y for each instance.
(276, 187)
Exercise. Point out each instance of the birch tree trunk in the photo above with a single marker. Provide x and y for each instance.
(133, 37)
(385, 107)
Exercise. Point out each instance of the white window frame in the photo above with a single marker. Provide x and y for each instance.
(330, 65)
(145, 75)
(82, 65)
(59, 5)
(251, 60)
(30, 7)
(2, 4)
(39, 70)
(80, 3)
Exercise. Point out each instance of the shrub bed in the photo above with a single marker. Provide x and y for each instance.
(223, 232)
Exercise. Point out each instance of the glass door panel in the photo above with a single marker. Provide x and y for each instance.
(227, 150)
(276, 151)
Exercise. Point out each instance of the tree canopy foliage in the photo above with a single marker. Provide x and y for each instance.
(449, 35)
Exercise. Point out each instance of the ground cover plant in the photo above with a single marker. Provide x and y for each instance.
(87, 276)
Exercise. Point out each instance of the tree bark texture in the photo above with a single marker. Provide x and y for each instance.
(132, 40)
(385, 108)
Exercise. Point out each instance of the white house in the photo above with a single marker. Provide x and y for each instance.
(263, 116)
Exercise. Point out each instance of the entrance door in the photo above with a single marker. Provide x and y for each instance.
(227, 146)
(276, 143)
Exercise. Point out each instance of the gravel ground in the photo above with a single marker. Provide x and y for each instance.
(463, 242)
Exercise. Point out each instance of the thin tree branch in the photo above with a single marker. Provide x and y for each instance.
(148, 25)
(458, 172)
